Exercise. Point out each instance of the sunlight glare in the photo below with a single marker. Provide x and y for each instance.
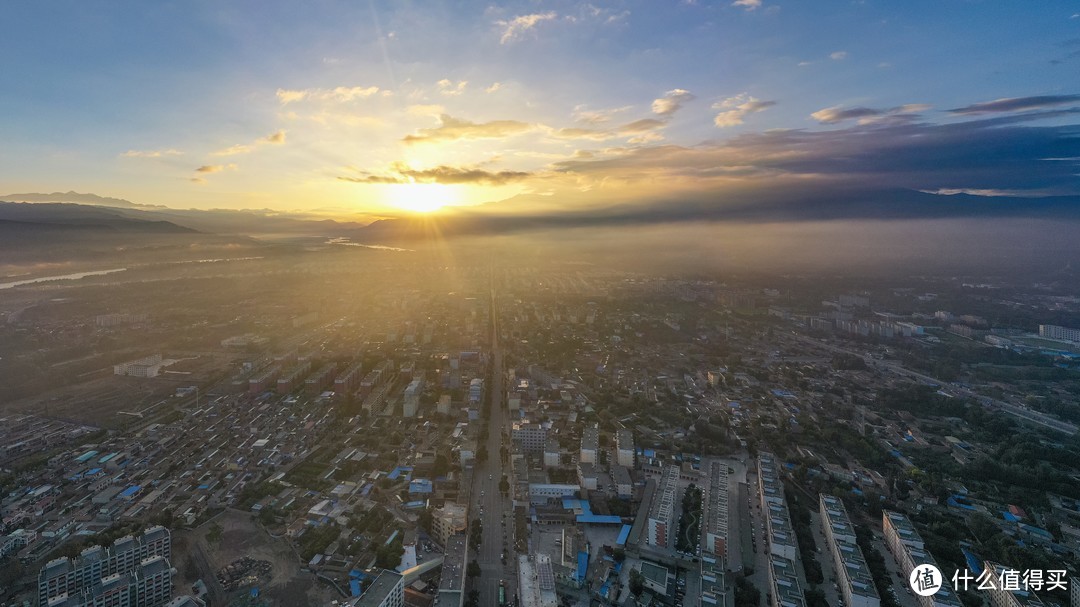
(422, 197)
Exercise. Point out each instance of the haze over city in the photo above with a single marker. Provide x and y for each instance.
(540, 304)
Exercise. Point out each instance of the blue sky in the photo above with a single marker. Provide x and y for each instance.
(371, 107)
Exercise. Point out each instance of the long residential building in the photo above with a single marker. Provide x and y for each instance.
(624, 445)
(590, 444)
(852, 573)
(910, 551)
(94, 565)
(1060, 333)
(781, 535)
(715, 532)
(662, 509)
(148, 585)
(784, 587)
(1001, 597)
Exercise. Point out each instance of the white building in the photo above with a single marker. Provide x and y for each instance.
(590, 443)
(1060, 333)
(410, 402)
(853, 575)
(624, 443)
(447, 521)
(662, 509)
(552, 455)
(387, 590)
(532, 436)
(908, 548)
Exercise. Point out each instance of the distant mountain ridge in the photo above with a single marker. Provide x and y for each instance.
(35, 217)
(79, 198)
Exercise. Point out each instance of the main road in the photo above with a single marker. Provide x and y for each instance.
(494, 510)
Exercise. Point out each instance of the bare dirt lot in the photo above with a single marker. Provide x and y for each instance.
(197, 558)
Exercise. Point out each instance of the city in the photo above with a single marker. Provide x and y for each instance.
(538, 436)
(540, 303)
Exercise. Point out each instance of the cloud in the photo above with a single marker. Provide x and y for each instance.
(641, 126)
(514, 28)
(1016, 104)
(275, 138)
(989, 193)
(340, 94)
(581, 114)
(401, 173)
(641, 131)
(748, 4)
(448, 88)
(215, 168)
(736, 108)
(233, 150)
(452, 129)
(838, 55)
(866, 115)
(150, 153)
(494, 87)
(671, 102)
(425, 110)
(877, 169)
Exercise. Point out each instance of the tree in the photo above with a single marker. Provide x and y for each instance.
(426, 519)
(637, 582)
(389, 556)
(214, 533)
(473, 569)
(474, 599)
(746, 594)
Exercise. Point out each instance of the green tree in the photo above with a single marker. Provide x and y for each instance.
(473, 569)
(214, 533)
(637, 582)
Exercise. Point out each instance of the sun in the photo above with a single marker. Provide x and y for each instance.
(422, 197)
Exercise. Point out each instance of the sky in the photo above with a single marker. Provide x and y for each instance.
(628, 109)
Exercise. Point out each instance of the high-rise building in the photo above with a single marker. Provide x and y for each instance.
(552, 454)
(1058, 332)
(590, 444)
(386, 590)
(624, 445)
(135, 567)
(410, 402)
(447, 521)
(908, 548)
(662, 509)
(532, 436)
(1001, 595)
(852, 573)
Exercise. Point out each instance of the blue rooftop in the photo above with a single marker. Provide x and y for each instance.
(130, 491)
(420, 485)
(397, 472)
(599, 519)
(974, 563)
(624, 534)
(354, 587)
(582, 566)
